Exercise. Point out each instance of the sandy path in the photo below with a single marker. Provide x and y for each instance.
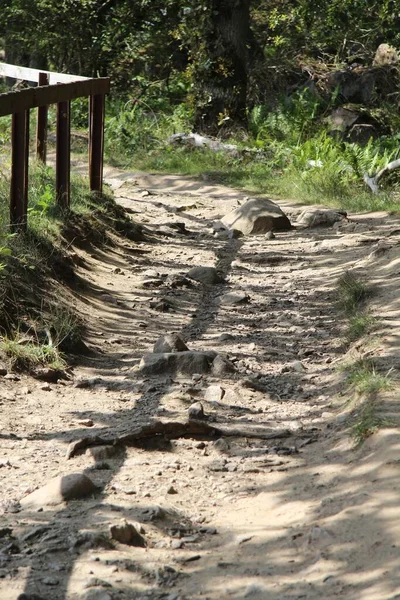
(305, 516)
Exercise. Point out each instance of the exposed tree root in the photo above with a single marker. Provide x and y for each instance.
(172, 430)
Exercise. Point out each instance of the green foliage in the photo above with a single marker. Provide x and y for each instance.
(352, 292)
(26, 355)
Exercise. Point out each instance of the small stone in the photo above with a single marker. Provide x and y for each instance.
(46, 387)
(97, 595)
(50, 581)
(200, 445)
(176, 544)
(217, 465)
(205, 275)
(172, 490)
(269, 235)
(3, 369)
(171, 342)
(128, 534)
(160, 305)
(61, 489)
(96, 582)
(221, 445)
(12, 377)
(221, 366)
(225, 337)
(85, 422)
(49, 375)
(100, 453)
(196, 411)
(196, 377)
(214, 393)
(234, 298)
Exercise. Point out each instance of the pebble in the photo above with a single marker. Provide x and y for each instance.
(196, 411)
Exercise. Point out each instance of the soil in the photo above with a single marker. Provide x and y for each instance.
(245, 514)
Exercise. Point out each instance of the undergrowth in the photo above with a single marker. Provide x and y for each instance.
(366, 383)
(38, 324)
(364, 379)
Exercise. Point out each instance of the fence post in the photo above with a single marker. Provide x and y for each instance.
(41, 130)
(63, 142)
(96, 141)
(19, 171)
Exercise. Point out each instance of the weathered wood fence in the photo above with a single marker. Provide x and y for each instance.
(59, 89)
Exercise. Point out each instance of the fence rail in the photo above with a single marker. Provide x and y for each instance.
(59, 89)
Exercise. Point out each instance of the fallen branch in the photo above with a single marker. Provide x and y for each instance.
(173, 430)
(372, 182)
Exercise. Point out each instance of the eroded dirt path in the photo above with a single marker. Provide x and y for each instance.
(302, 515)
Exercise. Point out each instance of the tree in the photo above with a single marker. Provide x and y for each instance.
(217, 34)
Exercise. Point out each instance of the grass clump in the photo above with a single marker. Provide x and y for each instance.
(352, 292)
(352, 295)
(367, 383)
(27, 355)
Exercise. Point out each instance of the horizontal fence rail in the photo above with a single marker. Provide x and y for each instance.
(59, 89)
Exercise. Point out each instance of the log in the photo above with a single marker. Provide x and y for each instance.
(372, 182)
(173, 430)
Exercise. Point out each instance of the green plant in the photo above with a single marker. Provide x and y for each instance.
(352, 292)
(368, 422)
(360, 324)
(25, 354)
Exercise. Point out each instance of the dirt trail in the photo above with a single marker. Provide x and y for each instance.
(300, 516)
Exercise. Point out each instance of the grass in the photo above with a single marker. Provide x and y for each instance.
(36, 271)
(367, 383)
(363, 377)
(25, 355)
(352, 292)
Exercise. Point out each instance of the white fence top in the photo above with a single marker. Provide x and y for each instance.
(32, 75)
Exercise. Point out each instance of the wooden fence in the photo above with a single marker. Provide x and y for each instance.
(59, 89)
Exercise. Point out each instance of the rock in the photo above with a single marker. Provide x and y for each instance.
(225, 337)
(5, 531)
(30, 597)
(214, 393)
(85, 422)
(151, 283)
(49, 375)
(12, 377)
(221, 366)
(233, 298)
(88, 540)
(172, 490)
(50, 581)
(205, 275)
(61, 489)
(96, 582)
(150, 274)
(217, 465)
(320, 218)
(3, 369)
(97, 595)
(101, 452)
(171, 342)
(176, 281)
(257, 216)
(196, 411)
(186, 363)
(127, 533)
(221, 445)
(385, 55)
(160, 305)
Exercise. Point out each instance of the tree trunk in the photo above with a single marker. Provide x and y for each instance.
(221, 74)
